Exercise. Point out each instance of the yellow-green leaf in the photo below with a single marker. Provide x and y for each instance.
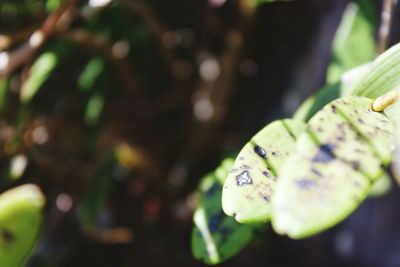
(337, 160)
(20, 221)
(247, 191)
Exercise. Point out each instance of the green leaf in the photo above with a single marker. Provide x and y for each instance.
(52, 5)
(255, 3)
(217, 237)
(330, 92)
(20, 221)
(381, 187)
(99, 189)
(337, 160)
(247, 190)
(4, 85)
(383, 75)
(91, 74)
(94, 108)
(41, 70)
(354, 42)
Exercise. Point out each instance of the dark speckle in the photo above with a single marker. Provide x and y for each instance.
(341, 125)
(215, 221)
(316, 172)
(340, 138)
(324, 154)
(260, 151)
(361, 121)
(273, 153)
(225, 233)
(356, 184)
(356, 165)
(333, 107)
(358, 150)
(305, 183)
(244, 178)
(266, 198)
(266, 174)
(7, 236)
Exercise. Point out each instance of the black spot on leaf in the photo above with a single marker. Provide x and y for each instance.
(316, 172)
(7, 236)
(266, 174)
(324, 153)
(260, 151)
(356, 165)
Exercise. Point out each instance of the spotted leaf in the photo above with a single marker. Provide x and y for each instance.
(247, 191)
(336, 161)
(20, 220)
(217, 237)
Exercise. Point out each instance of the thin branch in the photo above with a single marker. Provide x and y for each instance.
(384, 30)
(9, 61)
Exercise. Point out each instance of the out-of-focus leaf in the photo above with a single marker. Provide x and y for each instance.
(3, 91)
(382, 76)
(15, 169)
(353, 45)
(130, 157)
(91, 74)
(94, 108)
(255, 3)
(337, 160)
(99, 189)
(17, 166)
(354, 42)
(247, 190)
(52, 5)
(20, 221)
(330, 92)
(41, 70)
(217, 237)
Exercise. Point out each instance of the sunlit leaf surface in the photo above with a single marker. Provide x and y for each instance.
(247, 190)
(337, 160)
(20, 221)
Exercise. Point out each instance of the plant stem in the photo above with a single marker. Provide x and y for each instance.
(384, 29)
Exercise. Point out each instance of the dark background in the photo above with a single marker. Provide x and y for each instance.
(269, 60)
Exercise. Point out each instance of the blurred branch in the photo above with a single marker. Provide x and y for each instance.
(6, 41)
(384, 29)
(9, 61)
